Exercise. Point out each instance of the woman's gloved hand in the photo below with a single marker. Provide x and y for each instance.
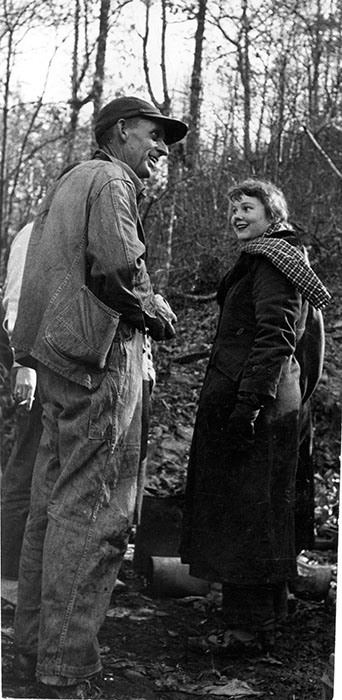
(240, 427)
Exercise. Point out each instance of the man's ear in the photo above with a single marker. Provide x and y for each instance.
(122, 129)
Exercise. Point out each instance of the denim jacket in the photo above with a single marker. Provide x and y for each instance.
(84, 271)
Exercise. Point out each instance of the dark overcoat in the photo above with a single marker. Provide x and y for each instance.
(238, 524)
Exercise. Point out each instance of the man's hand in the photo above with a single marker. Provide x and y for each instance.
(164, 311)
(25, 387)
(161, 327)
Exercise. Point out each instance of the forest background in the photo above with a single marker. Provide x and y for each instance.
(259, 83)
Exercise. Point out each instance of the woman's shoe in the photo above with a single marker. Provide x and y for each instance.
(235, 642)
(240, 642)
(267, 640)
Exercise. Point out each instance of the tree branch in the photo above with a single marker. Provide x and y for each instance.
(322, 152)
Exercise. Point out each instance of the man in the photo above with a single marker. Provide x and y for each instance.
(6, 363)
(16, 479)
(86, 305)
(17, 473)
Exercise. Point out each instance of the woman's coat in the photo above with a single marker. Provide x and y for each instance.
(238, 520)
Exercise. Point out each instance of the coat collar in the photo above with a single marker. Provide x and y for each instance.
(100, 154)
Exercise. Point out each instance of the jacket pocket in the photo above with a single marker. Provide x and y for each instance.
(84, 331)
(230, 361)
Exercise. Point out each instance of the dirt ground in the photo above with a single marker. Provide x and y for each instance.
(151, 650)
(155, 648)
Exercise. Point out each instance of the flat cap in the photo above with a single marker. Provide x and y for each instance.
(126, 107)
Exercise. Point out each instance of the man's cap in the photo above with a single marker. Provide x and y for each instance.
(127, 107)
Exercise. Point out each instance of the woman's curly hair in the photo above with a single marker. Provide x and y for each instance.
(271, 197)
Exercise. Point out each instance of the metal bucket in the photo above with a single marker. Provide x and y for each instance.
(313, 580)
(159, 531)
(168, 577)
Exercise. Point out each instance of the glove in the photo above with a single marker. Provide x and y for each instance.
(240, 427)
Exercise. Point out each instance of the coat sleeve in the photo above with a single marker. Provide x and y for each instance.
(277, 311)
(14, 276)
(116, 265)
(310, 351)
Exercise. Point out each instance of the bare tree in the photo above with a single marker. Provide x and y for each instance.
(18, 19)
(165, 105)
(242, 45)
(196, 88)
(174, 160)
(80, 70)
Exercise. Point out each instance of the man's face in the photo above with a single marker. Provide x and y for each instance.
(144, 145)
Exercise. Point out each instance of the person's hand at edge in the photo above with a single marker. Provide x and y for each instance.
(24, 386)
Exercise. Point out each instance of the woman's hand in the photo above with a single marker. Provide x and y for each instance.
(240, 427)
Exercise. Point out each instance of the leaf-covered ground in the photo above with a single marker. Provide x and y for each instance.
(148, 644)
(148, 651)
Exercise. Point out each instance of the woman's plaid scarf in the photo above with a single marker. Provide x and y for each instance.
(291, 261)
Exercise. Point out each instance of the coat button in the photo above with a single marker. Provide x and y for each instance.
(240, 331)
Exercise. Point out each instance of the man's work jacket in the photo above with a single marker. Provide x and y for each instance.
(84, 271)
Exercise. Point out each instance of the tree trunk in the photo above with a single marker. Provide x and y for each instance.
(246, 80)
(78, 74)
(75, 103)
(4, 146)
(314, 73)
(165, 105)
(281, 110)
(195, 89)
(164, 277)
(101, 56)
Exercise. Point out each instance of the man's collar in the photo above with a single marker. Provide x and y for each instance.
(100, 154)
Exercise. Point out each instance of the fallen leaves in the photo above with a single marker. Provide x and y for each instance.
(231, 689)
(135, 614)
(223, 687)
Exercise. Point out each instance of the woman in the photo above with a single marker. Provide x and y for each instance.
(239, 514)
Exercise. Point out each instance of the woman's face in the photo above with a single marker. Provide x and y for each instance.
(248, 217)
